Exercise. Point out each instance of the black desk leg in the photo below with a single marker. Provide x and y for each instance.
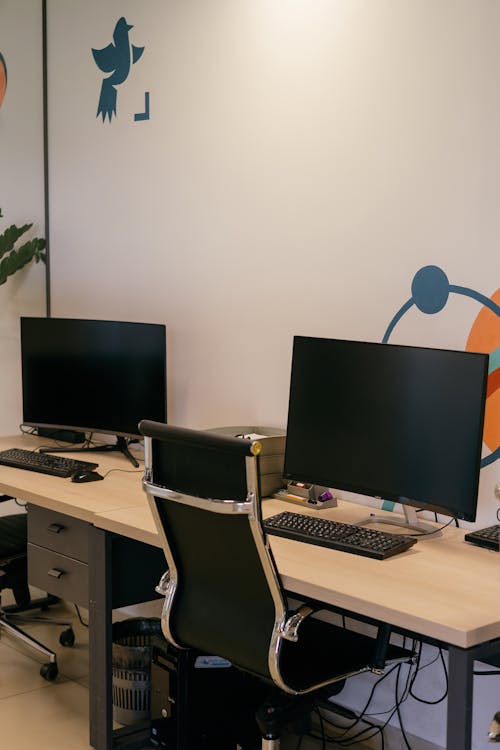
(460, 699)
(100, 639)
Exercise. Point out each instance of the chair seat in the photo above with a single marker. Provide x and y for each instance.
(326, 652)
(13, 534)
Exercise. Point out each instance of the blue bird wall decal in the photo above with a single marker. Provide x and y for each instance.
(116, 59)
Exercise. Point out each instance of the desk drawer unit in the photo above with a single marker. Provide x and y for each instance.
(58, 554)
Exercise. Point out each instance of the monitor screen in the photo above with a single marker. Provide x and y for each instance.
(401, 423)
(93, 375)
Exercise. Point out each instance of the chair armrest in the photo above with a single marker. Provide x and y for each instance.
(290, 630)
(163, 584)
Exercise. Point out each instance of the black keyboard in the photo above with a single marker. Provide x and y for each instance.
(340, 536)
(487, 537)
(43, 462)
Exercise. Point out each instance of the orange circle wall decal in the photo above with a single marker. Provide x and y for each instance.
(3, 78)
(485, 337)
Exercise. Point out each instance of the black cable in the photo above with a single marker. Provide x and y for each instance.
(85, 624)
(419, 668)
(398, 706)
(347, 734)
(299, 743)
(399, 700)
(347, 741)
(436, 519)
(361, 717)
(429, 663)
(436, 531)
(125, 471)
(323, 733)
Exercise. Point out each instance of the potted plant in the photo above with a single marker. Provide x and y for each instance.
(12, 259)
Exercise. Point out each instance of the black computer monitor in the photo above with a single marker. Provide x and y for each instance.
(93, 376)
(402, 423)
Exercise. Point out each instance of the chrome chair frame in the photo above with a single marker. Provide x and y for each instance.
(287, 626)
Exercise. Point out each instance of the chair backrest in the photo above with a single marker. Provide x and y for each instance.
(13, 556)
(223, 596)
(13, 537)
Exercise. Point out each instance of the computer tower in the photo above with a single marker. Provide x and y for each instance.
(200, 702)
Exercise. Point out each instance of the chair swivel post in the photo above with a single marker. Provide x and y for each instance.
(273, 715)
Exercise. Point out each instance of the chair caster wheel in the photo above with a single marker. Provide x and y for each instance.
(49, 671)
(67, 638)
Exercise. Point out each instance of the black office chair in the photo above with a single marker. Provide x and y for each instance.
(223, 595)
(14, 575)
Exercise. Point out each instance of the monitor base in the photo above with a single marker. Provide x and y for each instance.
(409, 520)
(121, 446)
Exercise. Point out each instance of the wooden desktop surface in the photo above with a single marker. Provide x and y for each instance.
(442, 587)
(120, 489)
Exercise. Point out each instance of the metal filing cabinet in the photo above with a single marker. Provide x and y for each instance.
(58, 554)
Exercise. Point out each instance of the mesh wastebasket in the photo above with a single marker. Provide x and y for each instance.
(131, 668)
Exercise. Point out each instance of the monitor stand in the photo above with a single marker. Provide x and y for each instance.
(409, 521)
(121, 446)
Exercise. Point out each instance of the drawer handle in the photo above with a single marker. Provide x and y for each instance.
(55, 528)
(55, 573)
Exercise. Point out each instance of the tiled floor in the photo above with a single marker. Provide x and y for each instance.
(42, 715)
(36, 713)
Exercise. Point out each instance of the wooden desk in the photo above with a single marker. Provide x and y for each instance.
(120, 489)
(442, 589)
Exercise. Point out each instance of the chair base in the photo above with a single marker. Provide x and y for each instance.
(16, 632)
(49, 670)
(42, 603)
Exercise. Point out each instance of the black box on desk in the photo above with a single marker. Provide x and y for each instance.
(272, 458)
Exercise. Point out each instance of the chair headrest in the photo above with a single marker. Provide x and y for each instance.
(199, 438)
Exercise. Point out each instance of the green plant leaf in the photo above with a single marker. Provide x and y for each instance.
(17, 259)
(10, 236)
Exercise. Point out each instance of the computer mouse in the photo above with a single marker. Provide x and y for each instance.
(86, 476)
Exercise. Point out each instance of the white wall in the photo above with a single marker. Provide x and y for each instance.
(21, 187)
(302, 161)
